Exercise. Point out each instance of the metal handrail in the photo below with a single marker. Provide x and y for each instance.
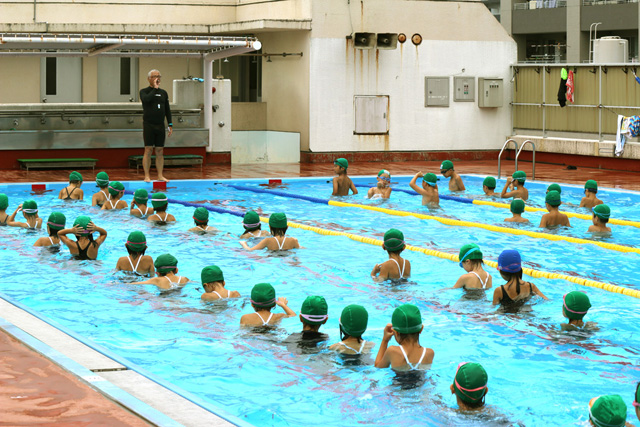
(533, 172)
(500, 154)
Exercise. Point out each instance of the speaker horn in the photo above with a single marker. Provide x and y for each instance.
(364, 40)
(387, 41)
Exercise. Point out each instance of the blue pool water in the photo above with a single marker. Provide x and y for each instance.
(538, 375)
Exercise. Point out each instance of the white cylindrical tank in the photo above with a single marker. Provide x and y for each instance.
(610, 50)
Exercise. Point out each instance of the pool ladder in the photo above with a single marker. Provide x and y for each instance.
(515, 143)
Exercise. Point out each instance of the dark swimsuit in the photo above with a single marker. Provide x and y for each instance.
(513, 305)
(69, 194)
(82, 253)
(4, 223)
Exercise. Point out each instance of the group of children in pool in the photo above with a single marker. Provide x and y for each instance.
(470, 380)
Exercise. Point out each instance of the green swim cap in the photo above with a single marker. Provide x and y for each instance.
(553, 198)
(83, 221)
(141, 196)
(517, 206)
(470, 382)
(278, 220)
(158, 200)
(4, 201)
(353, 320)
(314, 310)
(165, 263)
(75, 176)
(211, 274)
(430, 178)
(136, 242)
(520, 176)
(554, 187)
(470, 251)
(638, 393)
(608, 411)
(30, 207)
(341, 162)
(383, 171)
(251, 219)
(564, 74)
(263, 295)
(56, 221)
(115, 188)
(393, 240)
(446, 165)
(591, 185)
(602, 211)
(406, 319)
(201, 215)
(102, 179)
(575, 305)
(490, 182)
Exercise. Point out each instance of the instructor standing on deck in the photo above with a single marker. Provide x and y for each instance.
(155, 107)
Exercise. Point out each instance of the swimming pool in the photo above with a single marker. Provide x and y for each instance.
(537, 374)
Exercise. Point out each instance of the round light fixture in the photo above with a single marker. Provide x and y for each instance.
(416, 39)
(402, 37)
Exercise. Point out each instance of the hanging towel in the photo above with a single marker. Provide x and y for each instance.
(562, 93)
(570, 87)
(633, 126)
(620, 137)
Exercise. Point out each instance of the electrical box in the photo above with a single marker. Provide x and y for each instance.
(436, 92)
(490, 92)
(464, 89)
(371, 114)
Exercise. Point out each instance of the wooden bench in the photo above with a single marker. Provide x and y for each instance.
(58, 163)
(172, 160)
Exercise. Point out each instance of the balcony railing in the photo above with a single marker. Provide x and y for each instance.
(603, 2)
(542, 4)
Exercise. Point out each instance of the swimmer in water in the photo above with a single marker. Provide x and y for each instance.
(601, 214)
(470, 386)
(489, 186)
(342, 183)
(406, 326)
(115, 202)
(102, 195)
(383, 189)
(55, 223)
(136, 261)
(213, 284)
(396, 267)
(279, 241)
(429, 189)
(353, 323)
(201, 220)
(575, 306)
(160, 203)
(4, 204)
(608, 411)
(30, 212)
(554, 217)
(554, 187)
(471, 260)
(636, 401)
(139, 204)
(313, 314)
(590, 199)
(84, 247)
(263, 299)
(515, 292)
(455, 181)
(252, 226)
(69, 192)
(517, 208)
(516, 184)
(167, 270)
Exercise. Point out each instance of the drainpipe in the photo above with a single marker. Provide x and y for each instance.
(208, 102)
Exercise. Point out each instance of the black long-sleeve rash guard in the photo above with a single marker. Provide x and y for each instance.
(155, 106)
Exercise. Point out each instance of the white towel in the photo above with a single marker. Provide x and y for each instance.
(620, 137)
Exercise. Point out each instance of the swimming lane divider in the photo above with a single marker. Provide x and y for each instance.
(446, 221)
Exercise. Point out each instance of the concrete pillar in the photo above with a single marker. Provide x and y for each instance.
(575, 40)
(506, 15)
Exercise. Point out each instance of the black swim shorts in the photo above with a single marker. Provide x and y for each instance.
(153, 135)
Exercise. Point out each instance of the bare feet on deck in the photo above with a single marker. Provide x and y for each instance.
(162, 178)
(147, 179)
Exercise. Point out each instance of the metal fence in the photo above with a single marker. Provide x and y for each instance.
(601, 92)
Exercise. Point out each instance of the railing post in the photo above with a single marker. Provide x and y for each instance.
(544, 110)
(600, 103)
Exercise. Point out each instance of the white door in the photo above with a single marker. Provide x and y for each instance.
(117, 79)
(61, 79)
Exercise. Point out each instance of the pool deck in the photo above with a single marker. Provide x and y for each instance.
(35, 389)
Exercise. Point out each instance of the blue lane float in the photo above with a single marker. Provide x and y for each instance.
(200, 205)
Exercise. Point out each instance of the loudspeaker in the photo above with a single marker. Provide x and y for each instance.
(387, 40)
(364, 40)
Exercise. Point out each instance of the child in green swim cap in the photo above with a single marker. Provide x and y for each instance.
(213, 284)
(554, 217)
(160, 202)
(252, 226)
(72, 191)
(55, 223)
(201, 220)
(383, 188)
(342, 183)
(166, 266)
(489, 186)
(517, 207)
(590, 190)
(396, 267)
(84, 247)
(353, 323)
(575, 306)
(455, 181)
(471, 260)
(429, 189)
(139, 204)
(102, 195)
(636, 401)
(600, 219)
(470, 386)
(4, 204)
(516, 186)
(313, 314)
(279, 241)
(608, 411)
(263, 299)
(406, 326)
(136, 262)
(30, 212)
(115, 202)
